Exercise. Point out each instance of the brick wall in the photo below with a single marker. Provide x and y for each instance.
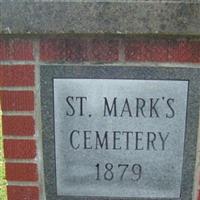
(20, 59)
(18, 101)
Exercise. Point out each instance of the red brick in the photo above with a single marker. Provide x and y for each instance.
(52, 49)
(23, 192)
(104, 50)
(147, 50)
(162, 50)
(21, 172)
(195, 51)
(16, 49)
(17, 100)
(137, 50)
(76, 50)
(18, 125)
(184, 51)
(158, 50)
(180, 51)
(198, 195)
(17, 75)
(24, 149)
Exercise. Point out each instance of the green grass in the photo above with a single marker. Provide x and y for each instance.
(3, 182)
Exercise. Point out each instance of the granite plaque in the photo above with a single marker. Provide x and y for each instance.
(115, 135)
(119, 132)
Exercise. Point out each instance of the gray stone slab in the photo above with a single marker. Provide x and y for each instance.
(112, 130)
(134, 17)
(55, 139)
